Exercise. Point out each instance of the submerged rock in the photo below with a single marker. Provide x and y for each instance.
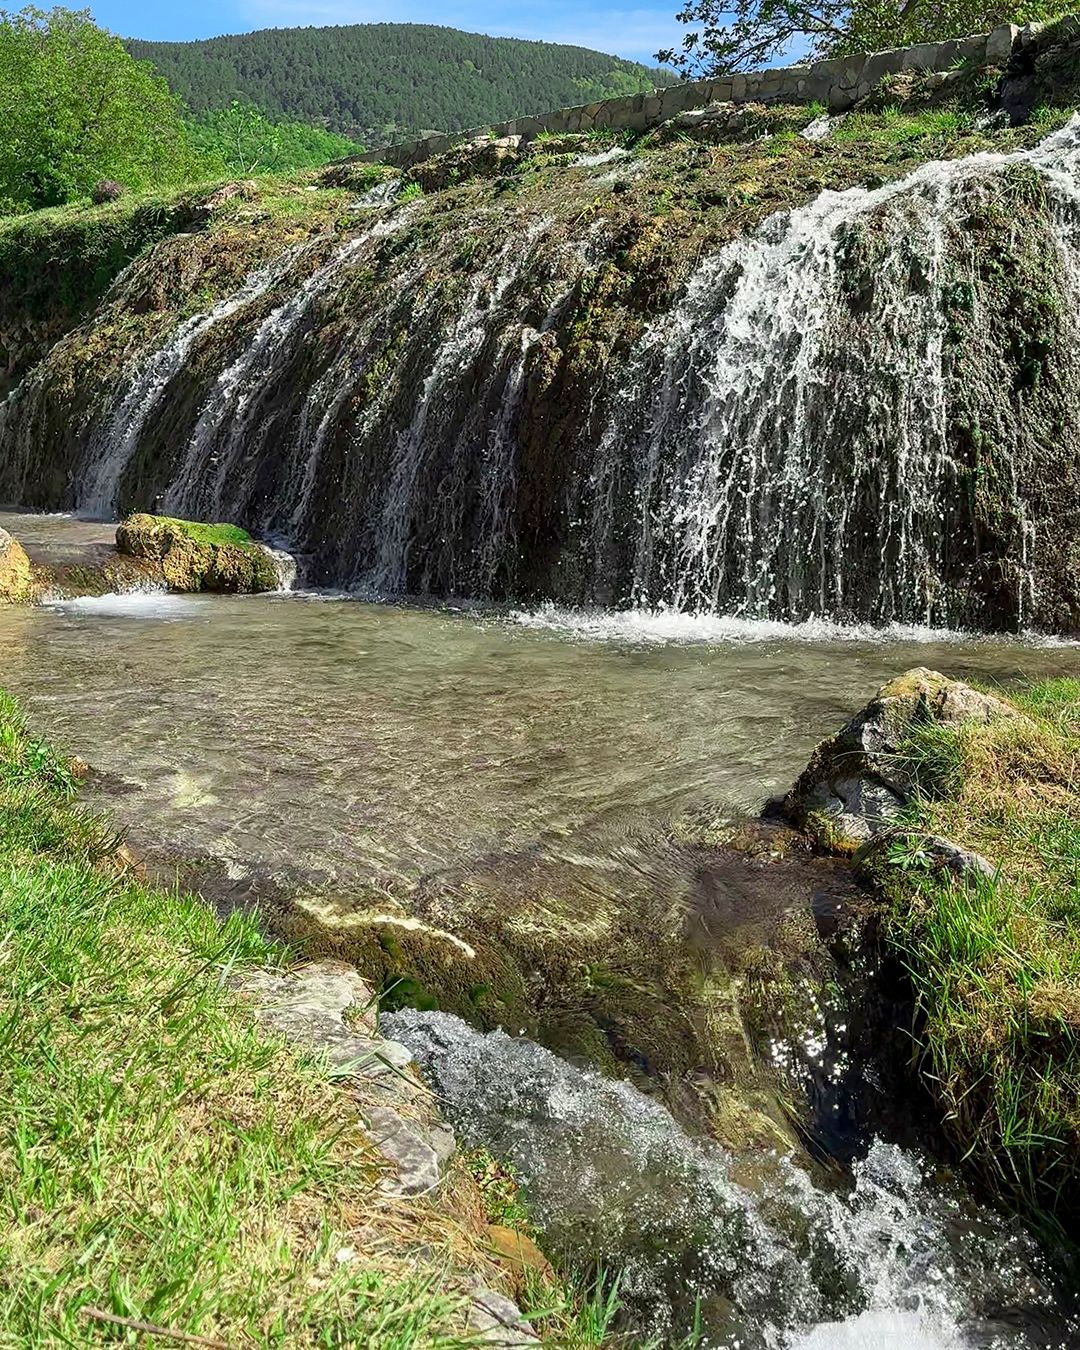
(14, 569)
(197, 557)
(854, 786)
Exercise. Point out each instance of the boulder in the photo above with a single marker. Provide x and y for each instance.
(14, 570)
(854, 786)
(196, 557)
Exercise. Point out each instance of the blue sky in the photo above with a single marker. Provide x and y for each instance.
(636, 31)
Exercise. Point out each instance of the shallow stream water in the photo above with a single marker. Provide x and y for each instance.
(307, 739)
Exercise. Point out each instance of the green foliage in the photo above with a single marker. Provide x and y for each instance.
(76, 108)
(163, 1159)
(995, 962)
(243, 140)
(730, 35)
(441, 78)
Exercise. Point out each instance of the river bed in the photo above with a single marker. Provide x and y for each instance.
(316, 739)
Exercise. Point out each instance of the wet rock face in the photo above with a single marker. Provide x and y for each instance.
(14, 569)
(853, 787)
(193, 559)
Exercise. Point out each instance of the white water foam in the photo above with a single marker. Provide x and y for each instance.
(882, 1331)
(663, 626)
(132, 605)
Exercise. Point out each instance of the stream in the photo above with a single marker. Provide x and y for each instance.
(315, 739)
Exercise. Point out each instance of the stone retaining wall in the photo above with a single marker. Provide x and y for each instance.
(837, 83)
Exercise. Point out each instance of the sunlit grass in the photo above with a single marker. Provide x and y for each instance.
(996, 962)
(160, 1159)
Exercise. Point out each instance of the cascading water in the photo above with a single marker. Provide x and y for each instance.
(772, 1261)
(115, 442)
(787, 456)
(779, 436)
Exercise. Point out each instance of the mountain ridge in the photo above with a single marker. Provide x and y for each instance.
(382, 82)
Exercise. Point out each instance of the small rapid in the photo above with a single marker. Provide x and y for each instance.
(890, 1260)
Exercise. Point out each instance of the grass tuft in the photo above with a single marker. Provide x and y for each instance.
(996, 961)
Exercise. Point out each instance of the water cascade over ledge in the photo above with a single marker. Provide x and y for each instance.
(828, 416)
(771, 1261)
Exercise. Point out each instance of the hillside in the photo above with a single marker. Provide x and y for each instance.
(385, 81)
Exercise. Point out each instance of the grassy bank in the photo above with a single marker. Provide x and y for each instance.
(996, 962)
(162, 1160)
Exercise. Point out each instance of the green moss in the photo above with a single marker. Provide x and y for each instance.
(206, 534)
(196, 556)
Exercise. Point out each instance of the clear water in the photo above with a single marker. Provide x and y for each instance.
(319, 738)
(340, 740)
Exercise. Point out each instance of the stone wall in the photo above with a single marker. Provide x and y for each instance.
(837, 83)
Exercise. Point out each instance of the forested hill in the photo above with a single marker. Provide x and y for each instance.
(385, 81)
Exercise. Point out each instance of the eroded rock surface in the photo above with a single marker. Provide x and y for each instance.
(14, 569)
(854, 786)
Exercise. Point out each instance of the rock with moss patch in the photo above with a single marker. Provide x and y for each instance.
(14, 570)
(198, 557)
(854, 786)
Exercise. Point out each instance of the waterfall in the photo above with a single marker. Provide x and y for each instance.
(115, 441)
(221, 441)
(784, 457)
(773, 1261)
(778, 434)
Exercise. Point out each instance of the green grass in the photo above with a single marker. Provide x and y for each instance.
(161, 1159)
(996, 963)
(893, 126)
(203, 533)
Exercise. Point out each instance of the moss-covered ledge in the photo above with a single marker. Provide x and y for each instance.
(971, 833)
(199, 557)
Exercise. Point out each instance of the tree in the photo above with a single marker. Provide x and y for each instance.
(75, 107)
(749, 34)
(242, 139)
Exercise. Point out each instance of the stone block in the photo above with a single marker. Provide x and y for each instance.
(999, 44)
(529, 127)
(830, 70)
(922, 57)
(876, 67)
(652, 108)
(720, 91)
(738, 87)
(852, 73)
(840, 99)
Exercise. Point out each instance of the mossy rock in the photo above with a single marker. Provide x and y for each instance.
(854, 786)
(14, 570)
(199, 557)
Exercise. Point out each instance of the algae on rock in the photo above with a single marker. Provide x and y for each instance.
(196, 557)
(15, 576)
